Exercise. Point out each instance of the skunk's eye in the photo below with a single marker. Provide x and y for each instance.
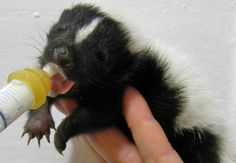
(62, 28)
(102, 55)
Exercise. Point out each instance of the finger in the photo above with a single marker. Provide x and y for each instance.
(113, 146)
(148, 135)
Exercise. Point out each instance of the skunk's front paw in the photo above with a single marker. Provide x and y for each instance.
(60, 140)
(38, 125)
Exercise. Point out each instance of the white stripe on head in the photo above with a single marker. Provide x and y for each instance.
(85, 31)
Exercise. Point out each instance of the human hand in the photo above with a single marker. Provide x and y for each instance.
(151, 144)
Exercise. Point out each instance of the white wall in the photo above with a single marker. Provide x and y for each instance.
(204, 30)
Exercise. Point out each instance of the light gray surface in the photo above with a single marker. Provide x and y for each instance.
(204, 30)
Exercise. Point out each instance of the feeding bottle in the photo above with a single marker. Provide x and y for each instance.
(26, 89)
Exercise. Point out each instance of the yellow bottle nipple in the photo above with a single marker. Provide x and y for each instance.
(37, 80)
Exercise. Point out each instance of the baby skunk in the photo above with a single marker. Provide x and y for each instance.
(93, 50)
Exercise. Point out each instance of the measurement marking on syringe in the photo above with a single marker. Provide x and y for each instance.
(11, 93)
(19, 106)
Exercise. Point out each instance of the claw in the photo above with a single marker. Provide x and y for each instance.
(60, 145)
(61, 152)
(53, 127)
(28, 141)
(47, 135)
(30, 137)
(39, 138)
(24, 132)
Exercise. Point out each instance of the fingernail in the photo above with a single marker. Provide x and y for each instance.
(130, 97)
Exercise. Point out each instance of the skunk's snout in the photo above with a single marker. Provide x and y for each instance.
(62, 57)
(61, 52)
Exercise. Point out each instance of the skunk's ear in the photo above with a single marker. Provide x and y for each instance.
(65, 14)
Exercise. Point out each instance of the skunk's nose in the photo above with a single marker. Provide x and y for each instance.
(62, 57)
(61, 52)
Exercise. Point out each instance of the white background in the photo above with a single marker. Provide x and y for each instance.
(204, 30)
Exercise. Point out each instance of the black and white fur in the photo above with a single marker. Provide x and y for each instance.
(99, 58)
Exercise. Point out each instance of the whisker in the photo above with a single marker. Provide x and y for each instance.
(106, 84)
(40, 35)
(101, 82)
(43, 30)
(91, 82)
(35, 47)
(37, 42)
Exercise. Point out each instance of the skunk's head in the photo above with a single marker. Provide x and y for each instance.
(85, 44)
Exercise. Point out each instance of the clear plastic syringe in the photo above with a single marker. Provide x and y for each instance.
(26, 89)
